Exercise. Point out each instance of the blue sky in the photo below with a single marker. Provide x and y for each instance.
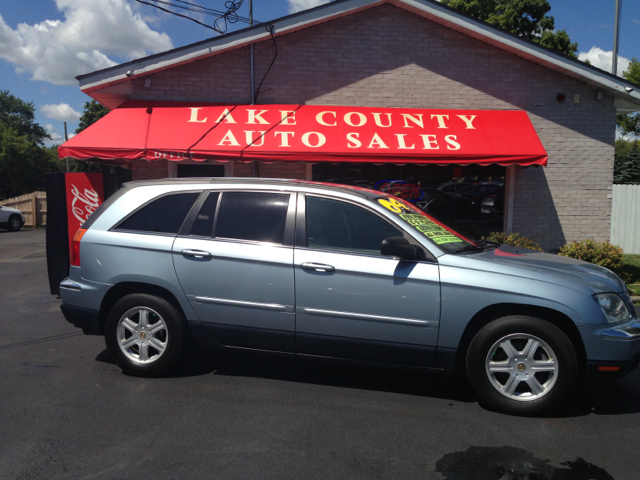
(44, 44)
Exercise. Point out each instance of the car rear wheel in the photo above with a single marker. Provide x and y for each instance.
(14, 223)
(145, 334)
(522, 365)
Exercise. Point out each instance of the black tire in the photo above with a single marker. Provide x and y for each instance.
(14, 223)
(173, 336)
(494, 389)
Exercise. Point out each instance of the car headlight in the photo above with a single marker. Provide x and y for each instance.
(613, 307)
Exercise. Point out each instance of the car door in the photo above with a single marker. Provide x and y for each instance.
(352, 302)
(235, 265)
(4, 215)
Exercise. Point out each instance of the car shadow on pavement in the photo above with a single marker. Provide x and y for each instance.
(22, 230)
(347, 375)
(617, 398)
(320, 372)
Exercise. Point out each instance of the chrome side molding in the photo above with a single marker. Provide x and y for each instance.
(371, 318)
(241, 303)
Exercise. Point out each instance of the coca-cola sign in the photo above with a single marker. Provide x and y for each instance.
(85, 193)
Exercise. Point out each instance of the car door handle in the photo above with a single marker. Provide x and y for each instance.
(318, 267)
(196, 253)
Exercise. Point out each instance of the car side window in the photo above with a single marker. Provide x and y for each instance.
(203, 225)
(164, 215)
(336, 225)
(256, 216)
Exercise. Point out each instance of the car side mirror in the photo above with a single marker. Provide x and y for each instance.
(400, 247)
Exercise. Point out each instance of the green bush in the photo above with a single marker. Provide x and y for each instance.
(601, 253)
(513, 239)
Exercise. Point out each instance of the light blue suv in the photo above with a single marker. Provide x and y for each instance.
(332, 271)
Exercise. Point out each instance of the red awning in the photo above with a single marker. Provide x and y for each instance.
(202, 131)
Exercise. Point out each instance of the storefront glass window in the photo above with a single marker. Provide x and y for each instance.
(470, 199)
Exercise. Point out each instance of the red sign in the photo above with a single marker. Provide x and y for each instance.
(199, 131)
(85, 193)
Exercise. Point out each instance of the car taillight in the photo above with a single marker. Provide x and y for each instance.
(75, 247)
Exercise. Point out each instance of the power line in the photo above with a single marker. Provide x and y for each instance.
(177, 14)
(221, 22)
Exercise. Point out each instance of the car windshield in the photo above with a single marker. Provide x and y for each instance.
(410, 216)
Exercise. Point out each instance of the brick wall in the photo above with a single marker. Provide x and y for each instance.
(142, 170)
(282, 170)
(388, 57)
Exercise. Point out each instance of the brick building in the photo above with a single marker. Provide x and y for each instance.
(411, 54)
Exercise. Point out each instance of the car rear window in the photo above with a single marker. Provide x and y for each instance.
(256, 216)
(164, 215)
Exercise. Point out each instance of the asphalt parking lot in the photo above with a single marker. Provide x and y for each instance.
(66, 411)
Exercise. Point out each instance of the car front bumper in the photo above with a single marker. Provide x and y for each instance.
(612, 351)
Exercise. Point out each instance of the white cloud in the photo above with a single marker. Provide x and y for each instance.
(299, 5)
(55, 136)
(628, 137)
(61, 111)
(601, 59)
(56, 51)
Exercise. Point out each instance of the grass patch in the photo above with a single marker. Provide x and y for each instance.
(631, 265)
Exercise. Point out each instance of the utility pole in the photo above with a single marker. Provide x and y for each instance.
(254, 165)
(66, 138)
(616, 39)
(253, 92)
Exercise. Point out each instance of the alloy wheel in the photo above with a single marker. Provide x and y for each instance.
(522, 367)
(14, 224)
(142, 335)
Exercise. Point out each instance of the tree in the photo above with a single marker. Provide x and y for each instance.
(622, 147)
(23, 157)
(627, 169)
(525, 18)
(23, 163)
(93, 111)
(629, 124)
(20, 116)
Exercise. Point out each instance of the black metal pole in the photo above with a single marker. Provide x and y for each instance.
(66, 138)
(253, 92)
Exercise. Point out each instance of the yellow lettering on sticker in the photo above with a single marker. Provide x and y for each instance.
(392, 204)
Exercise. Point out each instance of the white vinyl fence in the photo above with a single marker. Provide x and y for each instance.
(625, 218)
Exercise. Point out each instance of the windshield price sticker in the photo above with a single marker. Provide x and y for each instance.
(425, 225)
(393, 205)
(429, 228)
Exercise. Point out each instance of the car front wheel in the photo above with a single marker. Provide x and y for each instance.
(522, 365)
(145, 334)
(14, 223)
